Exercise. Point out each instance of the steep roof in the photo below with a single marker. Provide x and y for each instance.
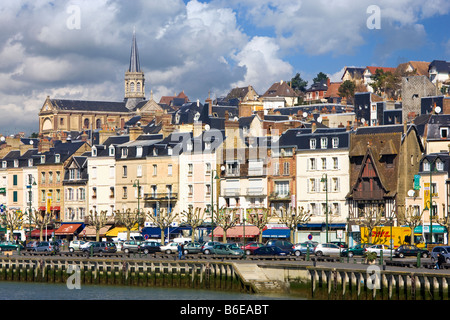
(373, 70)
(280, 89)
(85, 105)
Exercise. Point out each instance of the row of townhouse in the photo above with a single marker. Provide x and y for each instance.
(335, 173)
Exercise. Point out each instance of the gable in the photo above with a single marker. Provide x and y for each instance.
(151, 107)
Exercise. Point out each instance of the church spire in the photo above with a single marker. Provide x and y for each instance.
(135, 65)
(134, 78)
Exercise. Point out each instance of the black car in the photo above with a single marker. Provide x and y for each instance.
(282, 244)
(149, 247)
(100, 247)
(271, 250)
(407, 250)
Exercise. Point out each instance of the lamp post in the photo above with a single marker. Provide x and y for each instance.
(138, 186)
(212, 200)
(325, 180)
(31, 183)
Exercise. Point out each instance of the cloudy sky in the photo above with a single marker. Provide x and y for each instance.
(80, 49)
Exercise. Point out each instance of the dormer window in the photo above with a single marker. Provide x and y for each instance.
(169, 151)
(57, 158)
(124, 152)
(207, 145)
(139, 151)
(444, 133)
(43, 159)
(439, 165)
(155, 152)
(323, 143)
(426, 165)
(94, 151)
(312, 143)
(189, 146)
(4, 164)
(16, 163)
(111, 151)
(335, 142)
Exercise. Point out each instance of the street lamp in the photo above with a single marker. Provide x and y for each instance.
(325, 180)
(31, 182)
(137, 185)
(212, 199)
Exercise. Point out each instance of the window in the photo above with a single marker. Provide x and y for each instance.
(94, 192)
(426, 165)
(324, 163)
(208, 168)
(111, 192)
(15, 196)
(15, 180)
(335, 163)
(169, 170)
(312, 143)
(4, 164)
(312, 164)
(16, 163)
(58, 176)
(82, 194)
(208, 189)
(190, 168)
(111, 151)
(124, 192)
(190, 190)
(286, 167)
(276, 169)
(155, 169)
(58, 195)
(282, 188)
(70, 195)
(42, 177)
(335, 184)
(439, 165)
(312, 185)
(170, 151)
(139, 151)
(124, 171)
(124, 152)
(139, 171)
(233, 168)
(323, 143)
(335, 143)
(57, 158)
(444, 133)
(50, 177)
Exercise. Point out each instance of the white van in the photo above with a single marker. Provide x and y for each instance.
(182, 240)
(122, 236)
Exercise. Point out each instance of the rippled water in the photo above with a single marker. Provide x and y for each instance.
(50, 291)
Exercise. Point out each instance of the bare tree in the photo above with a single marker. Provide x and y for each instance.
(444, 221)
(293, 217)
(369, 219)
(259, 217)
(411, 218)
(226, 219)
(98, 220)
(194, 218)
(13, 220)
(162, 219)
(128, 219)
(41, 221)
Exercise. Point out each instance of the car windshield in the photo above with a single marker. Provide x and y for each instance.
(233, 246)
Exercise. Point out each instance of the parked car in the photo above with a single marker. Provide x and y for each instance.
(130, 246)
(208, 247)
(408, 250)
(149, 247)
(356, 250)
(378, 248)
(282, 244)
(75, 245)
(85, 245)
(31, 245)
(444, 250)
(100, 247)
(301, 248)
(228, 249)
(340, 244)
(47, 246)
(251, 247)
(271, 251)
(192, 247)
(9, 246)
(171, 247)
(327, 249)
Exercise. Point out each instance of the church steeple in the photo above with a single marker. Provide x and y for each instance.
(134, 78)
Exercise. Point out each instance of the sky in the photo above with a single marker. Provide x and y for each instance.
(80, 49)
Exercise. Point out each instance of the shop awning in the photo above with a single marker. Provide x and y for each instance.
(155, 232)
(238, 232)
(89, 231)
(68, 229)
(36, 233)
(115, 231)
(276, 233)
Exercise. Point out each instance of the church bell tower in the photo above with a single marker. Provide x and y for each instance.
(134, 78)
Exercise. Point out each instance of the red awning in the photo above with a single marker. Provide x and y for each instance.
(67, 229)
(238, 232)
(36, 233)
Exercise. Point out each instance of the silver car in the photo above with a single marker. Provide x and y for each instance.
(444, 250)
(327, 249)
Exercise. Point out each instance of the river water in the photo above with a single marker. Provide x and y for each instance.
(51, 291)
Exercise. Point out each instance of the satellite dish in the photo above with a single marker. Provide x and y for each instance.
(363, 120)
(319, 119)
(437, 109)
(305, 114)
(2, 138)
(411, 193)
(207, 127)
(31, 142)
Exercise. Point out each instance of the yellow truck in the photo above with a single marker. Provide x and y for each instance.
(399, 236)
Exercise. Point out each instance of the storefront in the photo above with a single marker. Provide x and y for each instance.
(439, 233)
(318, 232)
(237, 233)
(69, 230)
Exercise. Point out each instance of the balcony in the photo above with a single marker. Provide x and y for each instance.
(255, 191)
(280, 196)
(160, 196)
(231, 192)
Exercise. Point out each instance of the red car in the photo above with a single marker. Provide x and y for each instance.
(251, 246)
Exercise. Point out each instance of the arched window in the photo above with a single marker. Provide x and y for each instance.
(132, 87)
(138, 87)
(98, 124)
(86, 123)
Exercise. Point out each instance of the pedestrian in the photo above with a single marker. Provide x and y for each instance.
(440, 261)
(180, 251)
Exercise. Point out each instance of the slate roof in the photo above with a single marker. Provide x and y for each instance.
(440, 66)
(84, 105)
(280, 89)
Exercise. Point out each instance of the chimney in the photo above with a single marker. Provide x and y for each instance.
(313, 127)
(44, 145)
(105, 134)
(209, 102)
(135, 132)
(245, 110)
